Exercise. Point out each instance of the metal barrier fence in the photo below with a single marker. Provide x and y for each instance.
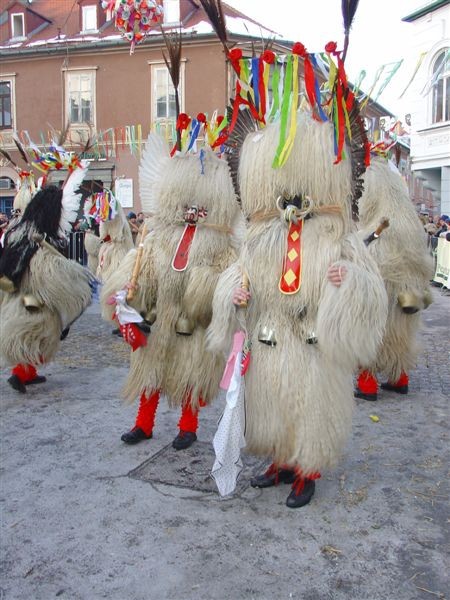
(76, 249)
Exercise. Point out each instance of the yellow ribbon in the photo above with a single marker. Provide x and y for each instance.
(294, 104)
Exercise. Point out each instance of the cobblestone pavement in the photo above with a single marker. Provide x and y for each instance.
(86, 517)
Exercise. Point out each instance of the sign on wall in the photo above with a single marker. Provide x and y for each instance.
(123, 190)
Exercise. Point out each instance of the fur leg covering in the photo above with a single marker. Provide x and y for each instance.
(145, 418)
(367, 383)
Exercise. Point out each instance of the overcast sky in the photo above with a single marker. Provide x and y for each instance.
(378, 35)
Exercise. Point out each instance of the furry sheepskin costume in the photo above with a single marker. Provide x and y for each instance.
(179, 365)
(406, 267)
(299, 392)
(92, 244)
(116, 241)
(48, 291)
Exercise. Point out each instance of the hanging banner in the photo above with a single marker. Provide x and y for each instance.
(123, 191)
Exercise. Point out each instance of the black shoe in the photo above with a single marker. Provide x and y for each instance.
(399, 389)
(64, 333)
(37, 379)
(183, 440)
(364, 396)
(273, 476)
(116, 332)
(16, 384)
(135, 436)
(295, 500)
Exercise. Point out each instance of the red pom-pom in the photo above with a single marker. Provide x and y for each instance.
(235, 54)
(201, 117)
(331, 47)
(183, 121)
(268, 56)
(219, 119)
(299, 48)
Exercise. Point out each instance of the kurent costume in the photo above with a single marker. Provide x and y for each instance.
(305, 336)
(44, 292)
(92, 244)
(193, 207)
(406, 267)
(115, 236)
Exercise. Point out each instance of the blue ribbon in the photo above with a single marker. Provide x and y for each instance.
(195, 130)
(322, 115)
(255, 80)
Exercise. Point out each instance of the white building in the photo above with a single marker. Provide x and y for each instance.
(430, 101)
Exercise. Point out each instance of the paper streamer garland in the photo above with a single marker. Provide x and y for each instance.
(134, 18)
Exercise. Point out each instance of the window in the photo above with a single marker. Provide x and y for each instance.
(89, 18)
(81, 97)
(171, 12)
(441, 87)
(6, 204)
(6, 104)
(17, 25)
(163, 93)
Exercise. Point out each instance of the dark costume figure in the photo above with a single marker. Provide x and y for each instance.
(43, 291)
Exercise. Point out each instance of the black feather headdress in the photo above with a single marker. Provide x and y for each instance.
(245, 124)
(173, 43)
(348, 14)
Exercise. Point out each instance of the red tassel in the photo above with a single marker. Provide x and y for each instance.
(341, 123)
(262, 91)
(309, 81)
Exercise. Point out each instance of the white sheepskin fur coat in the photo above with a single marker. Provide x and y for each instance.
(116, 242)
(92, 244)
(403, 259)
(62, 286)
(179, 365)
(298, 395)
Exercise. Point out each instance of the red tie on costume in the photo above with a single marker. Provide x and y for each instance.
(181, 258)
(291, 276)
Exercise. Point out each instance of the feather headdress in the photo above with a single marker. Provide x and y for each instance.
(71, 197)
(154, 159)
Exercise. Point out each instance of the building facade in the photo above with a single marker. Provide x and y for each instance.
(430, 105)
(64, 65)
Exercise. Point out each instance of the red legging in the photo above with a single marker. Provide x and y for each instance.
(368, 384)
(148, 405)
(25, 372)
